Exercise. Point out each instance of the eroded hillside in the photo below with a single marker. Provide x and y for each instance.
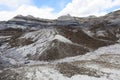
(66, 48)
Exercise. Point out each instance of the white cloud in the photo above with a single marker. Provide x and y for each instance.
(89, 7)
(75, 8)
(13, 4)
(44, 12)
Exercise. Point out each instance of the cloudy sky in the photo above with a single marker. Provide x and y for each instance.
(51, 9)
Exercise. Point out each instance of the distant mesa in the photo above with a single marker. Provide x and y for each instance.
(21, 16)
(66, 17)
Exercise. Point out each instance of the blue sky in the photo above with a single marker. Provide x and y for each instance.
(58, 5)
(51, 9)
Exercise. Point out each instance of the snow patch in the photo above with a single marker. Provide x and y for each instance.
(17, 26)
(62, 39)
(5, 37)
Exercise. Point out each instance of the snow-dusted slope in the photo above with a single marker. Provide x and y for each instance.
(41, 39)
(41, 44)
